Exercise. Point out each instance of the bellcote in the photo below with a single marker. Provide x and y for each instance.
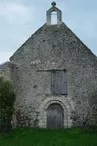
(49, 13)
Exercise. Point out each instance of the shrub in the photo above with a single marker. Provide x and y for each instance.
(7, 98)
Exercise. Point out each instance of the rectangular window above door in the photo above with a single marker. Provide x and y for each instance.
(59, 82)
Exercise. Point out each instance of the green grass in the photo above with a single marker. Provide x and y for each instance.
(46, 137)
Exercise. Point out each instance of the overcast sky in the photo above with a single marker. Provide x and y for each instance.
(19, 19)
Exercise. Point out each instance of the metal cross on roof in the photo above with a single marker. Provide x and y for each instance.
(53, 4)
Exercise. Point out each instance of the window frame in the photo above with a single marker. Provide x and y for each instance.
(53, 90)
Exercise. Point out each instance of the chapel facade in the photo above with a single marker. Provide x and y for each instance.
(54, 76)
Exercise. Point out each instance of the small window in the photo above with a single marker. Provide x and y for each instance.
(59, 82)
(54, 17)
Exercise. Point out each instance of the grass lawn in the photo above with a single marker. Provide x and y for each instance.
(46, 137)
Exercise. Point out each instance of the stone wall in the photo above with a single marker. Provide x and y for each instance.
(53, 47)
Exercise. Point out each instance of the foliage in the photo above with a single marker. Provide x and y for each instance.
(7, 98)
(48, 137)
(83, 116)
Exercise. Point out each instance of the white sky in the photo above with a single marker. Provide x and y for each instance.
(19, 19)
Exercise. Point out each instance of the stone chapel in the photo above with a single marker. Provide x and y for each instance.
(54, 76)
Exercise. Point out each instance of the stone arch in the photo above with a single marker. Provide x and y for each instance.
(52, 100)
(59, 14)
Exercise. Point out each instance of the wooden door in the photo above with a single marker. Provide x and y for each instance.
(55, 116)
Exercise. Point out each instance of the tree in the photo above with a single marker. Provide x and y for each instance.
(7, 98)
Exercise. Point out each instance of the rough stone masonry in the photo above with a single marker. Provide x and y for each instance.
(54, 76)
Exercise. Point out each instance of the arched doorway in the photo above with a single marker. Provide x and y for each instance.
(55, 116)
